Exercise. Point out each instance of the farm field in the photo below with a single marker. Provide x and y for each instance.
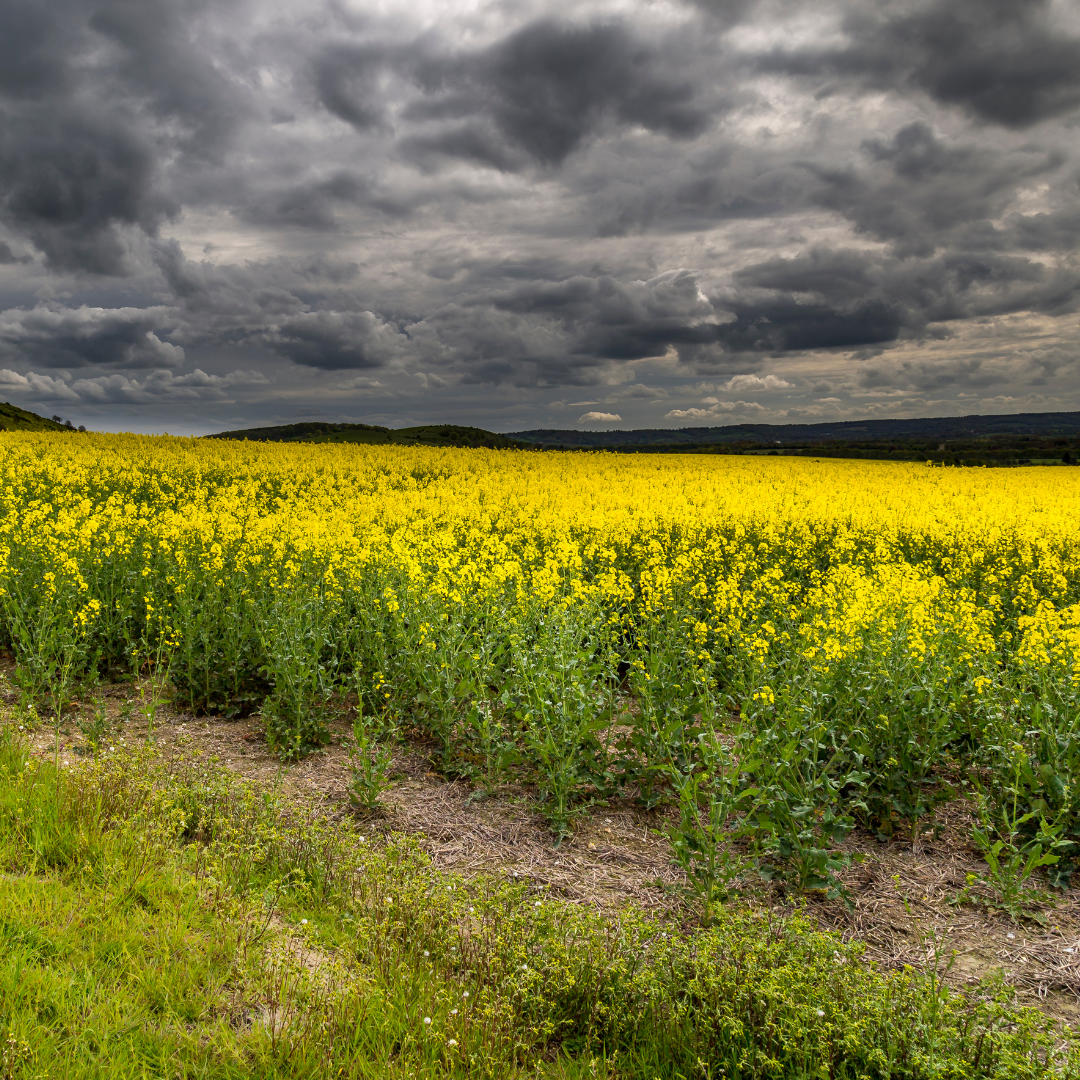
(781, 664)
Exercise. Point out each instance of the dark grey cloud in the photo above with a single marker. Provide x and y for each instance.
(71, 179)
(783, 325)
(95, 98)
(346, 79)
(539, 93)
(8, 257)
(918, 192)
(54, 336)
(311, 205)
(158, 56)
(335, 341)
(1001, 61)
(459, 211)
(952, 286)
(34, 48)
(531, 98)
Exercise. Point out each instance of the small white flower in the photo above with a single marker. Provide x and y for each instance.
(821, 1012)
(465, 994)
(303, 922)
(427, 1019)
(451, 1042)
(1010, 936)
(453, 1012)
(426, 953)
(471, 910)
(537, 904)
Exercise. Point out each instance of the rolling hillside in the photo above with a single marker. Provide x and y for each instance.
(1037, 425)
(424, 435)
(12, 418)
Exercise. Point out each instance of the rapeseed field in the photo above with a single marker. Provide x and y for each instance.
(784, 648)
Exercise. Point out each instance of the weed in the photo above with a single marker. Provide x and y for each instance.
(702, 841)
(1011, 859)
(301, 667)
(490, 738)
(96, 728)
(369, 762)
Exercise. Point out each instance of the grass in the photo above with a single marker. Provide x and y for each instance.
(12, 418)
(166, 919)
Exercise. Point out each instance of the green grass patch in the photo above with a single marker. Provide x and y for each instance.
(170, 920)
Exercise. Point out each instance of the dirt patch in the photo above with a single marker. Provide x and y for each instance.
(903, 895)
(905, 909)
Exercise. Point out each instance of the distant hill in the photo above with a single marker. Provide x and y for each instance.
(1022, 439)
(12, 418)
(424, 435)
(1037, 425)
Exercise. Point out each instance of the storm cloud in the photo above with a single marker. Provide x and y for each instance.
(224, 211)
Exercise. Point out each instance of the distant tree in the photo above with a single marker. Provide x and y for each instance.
(57, 420)
(82, 427)
(1067, 458)
(69, 424)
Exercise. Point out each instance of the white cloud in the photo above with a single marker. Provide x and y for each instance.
(160, 386)
(429, 380)
(599, 417)
(639, 391)
(360, 382)
(715, 409)
(739, 383)
(40, 387)
(165, 386)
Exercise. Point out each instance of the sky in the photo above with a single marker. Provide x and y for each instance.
(218, 214)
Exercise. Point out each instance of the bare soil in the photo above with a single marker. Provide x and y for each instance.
(903, 894)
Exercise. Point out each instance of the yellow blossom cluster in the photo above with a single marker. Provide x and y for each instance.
(838, 548)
